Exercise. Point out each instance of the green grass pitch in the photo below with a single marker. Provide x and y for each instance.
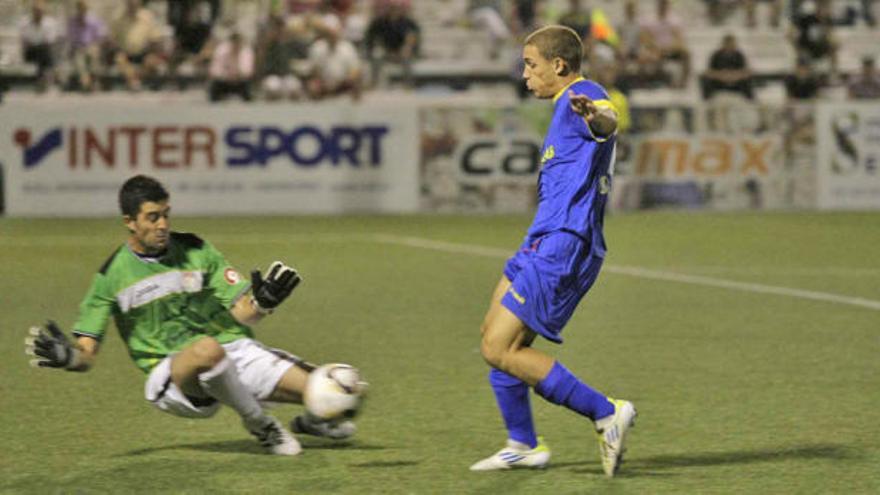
(738, 390)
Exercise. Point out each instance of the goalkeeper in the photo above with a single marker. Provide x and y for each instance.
(185, 316)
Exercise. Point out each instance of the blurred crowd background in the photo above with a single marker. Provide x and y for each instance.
(773, 50)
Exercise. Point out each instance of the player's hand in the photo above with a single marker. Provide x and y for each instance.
(582, 105)
(51, 347)
(271, 291)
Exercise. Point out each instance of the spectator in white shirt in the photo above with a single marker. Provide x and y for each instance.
(39, 34)
(232, 69)
(336, 67)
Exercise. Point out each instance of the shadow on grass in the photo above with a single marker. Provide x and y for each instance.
(386, 464)
(798, 452)
(649, 466)
(251, 447)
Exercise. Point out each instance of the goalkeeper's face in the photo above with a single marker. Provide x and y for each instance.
(151, 229)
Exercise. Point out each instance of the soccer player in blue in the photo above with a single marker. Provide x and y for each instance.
(557, 263)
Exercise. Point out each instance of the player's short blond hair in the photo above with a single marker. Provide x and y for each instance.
(558, 41)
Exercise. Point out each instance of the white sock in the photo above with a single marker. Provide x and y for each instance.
(222, 383)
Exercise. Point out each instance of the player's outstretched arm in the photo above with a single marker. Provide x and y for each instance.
(267, 292)
(601, 120)
(53, 349)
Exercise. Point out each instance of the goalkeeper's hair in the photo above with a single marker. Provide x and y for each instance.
(137, 191)
(559, 41)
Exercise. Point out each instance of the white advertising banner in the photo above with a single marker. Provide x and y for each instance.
(848, 161)
(738, 171)
(226, 159)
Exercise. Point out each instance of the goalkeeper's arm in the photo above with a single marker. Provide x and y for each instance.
(53, 349)
(266, 293)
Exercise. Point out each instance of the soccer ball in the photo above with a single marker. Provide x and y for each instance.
(334, 391)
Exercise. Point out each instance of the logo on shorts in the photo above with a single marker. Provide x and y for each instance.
(232, 277)
(549, 153)
(520, 299)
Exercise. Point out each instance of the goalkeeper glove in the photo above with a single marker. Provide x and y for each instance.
(268, 293)
(51, 347)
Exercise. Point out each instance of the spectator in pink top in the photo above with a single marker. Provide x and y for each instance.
(86, 34)
(232, 69)
(665, 32)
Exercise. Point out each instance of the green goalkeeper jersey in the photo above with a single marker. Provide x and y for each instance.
(162, 304)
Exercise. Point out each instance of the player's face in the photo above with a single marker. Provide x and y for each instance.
(151, 229)
(540, 74)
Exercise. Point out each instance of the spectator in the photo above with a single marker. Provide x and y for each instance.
(302, 7)
(812, 32)
(526, 16)
(867, 84)
(487, 16)
(629, 32)
(86, 34)
(137, 36)
(277, 50)
(751, 7)
(728, 71)
(337, 67)
(666, 35)
(803, 84)
(642, 59)
(232, 69)
(591, 24)
(577, 18)
(396, 36)
(192, 21)
(868, 12)
(353, 18)
(39, 34)
(847, 12)
(719, 10)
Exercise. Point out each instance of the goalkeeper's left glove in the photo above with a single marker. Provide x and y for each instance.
(280, 281)
(51, 347)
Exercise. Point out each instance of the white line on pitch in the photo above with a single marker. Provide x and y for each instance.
(451, 247)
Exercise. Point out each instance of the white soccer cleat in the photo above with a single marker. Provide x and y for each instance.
(310, 425)
(612, 431)
(516, 455)
(274, 438)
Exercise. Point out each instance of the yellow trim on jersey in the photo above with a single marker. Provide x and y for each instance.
(561, 91)
(602, 104)
(605, 104)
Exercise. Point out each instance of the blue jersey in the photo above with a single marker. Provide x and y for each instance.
(576, 169)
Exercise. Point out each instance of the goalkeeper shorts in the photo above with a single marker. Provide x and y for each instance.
(259, 369)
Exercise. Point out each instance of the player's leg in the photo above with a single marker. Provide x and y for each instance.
(504, 336)
(511, 393)
(524, 448)
(203, 369)
(534, 295)
(291, 389)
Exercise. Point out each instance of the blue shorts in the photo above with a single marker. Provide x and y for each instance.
(549, 276)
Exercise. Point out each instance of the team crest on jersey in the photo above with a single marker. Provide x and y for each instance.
(549, 153)
(232, 277)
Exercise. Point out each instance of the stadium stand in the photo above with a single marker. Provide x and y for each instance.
(454, 52)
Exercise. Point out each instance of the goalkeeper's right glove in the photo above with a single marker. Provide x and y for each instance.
(280, 281)
(51, 347)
